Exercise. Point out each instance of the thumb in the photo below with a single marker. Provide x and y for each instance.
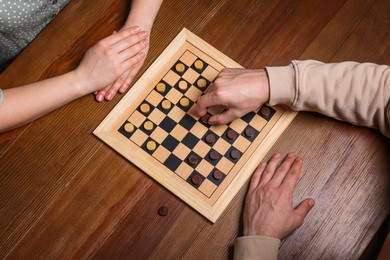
(302, 210)
(222, 119)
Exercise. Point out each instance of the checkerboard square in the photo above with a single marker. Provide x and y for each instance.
(161, 154)
(137, 118)
(172, 162)
(204, 168)
(207, 187)
(241, 143)
(225, 165)
(199, 130)
(159, 135)
(210, 73)
(218, 129)
(190, 140)
(156, 116)
(179, 132)
(176, 114)
(238, 125)
(174, 95)
(139, 137)
(221, 146)
(258, 122)
(184, 170)
(170, 143)
(171, 78)
(190, 76)
(167, 124)
(154, 98)
(188, 58)
(187, 122)
(181, 151)
(201, 148)
(193, 93)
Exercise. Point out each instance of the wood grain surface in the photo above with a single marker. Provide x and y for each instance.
(64, 194)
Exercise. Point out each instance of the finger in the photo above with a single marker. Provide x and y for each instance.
(101, 94)
(114, 87)
(130, 41)
(133, 50)
(224, 118)
(270, 169)
(255, 180)
(207, 100)
(130, 77)
(116, 37)
(301, 211)
(131, 62)
(283, 168)
(293, 173)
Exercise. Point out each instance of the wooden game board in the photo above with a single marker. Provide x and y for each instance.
(178, 132)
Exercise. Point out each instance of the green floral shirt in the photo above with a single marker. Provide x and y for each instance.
(21, 21)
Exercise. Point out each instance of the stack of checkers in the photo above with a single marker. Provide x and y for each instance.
(166, 126)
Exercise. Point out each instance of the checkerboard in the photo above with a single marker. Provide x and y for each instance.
(178, 133)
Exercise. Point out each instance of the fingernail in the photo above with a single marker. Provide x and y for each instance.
(277, 155)
(311, 202)
(99, 97)
(290, 154)
(109, 96)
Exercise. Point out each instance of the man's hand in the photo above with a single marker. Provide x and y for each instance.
(268, 207)
(239, 90)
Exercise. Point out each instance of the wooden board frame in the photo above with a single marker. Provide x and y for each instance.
(107, 131)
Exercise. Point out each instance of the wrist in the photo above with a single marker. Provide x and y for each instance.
(80, 83)
(264, 85)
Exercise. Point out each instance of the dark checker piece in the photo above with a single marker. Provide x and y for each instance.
(163, 211)
(249, 132)
(196, 179)
(214, 155)
(210, 138)
(235, 154)
(265, 111)
(192, 159)
(217, 174)
(231, 134)
(205, 118)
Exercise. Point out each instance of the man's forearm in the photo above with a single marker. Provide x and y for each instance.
(358, 93)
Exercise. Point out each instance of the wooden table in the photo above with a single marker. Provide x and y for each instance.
(64, 194)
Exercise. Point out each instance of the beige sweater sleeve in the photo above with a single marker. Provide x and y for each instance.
(256, 247)
(358, 93)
